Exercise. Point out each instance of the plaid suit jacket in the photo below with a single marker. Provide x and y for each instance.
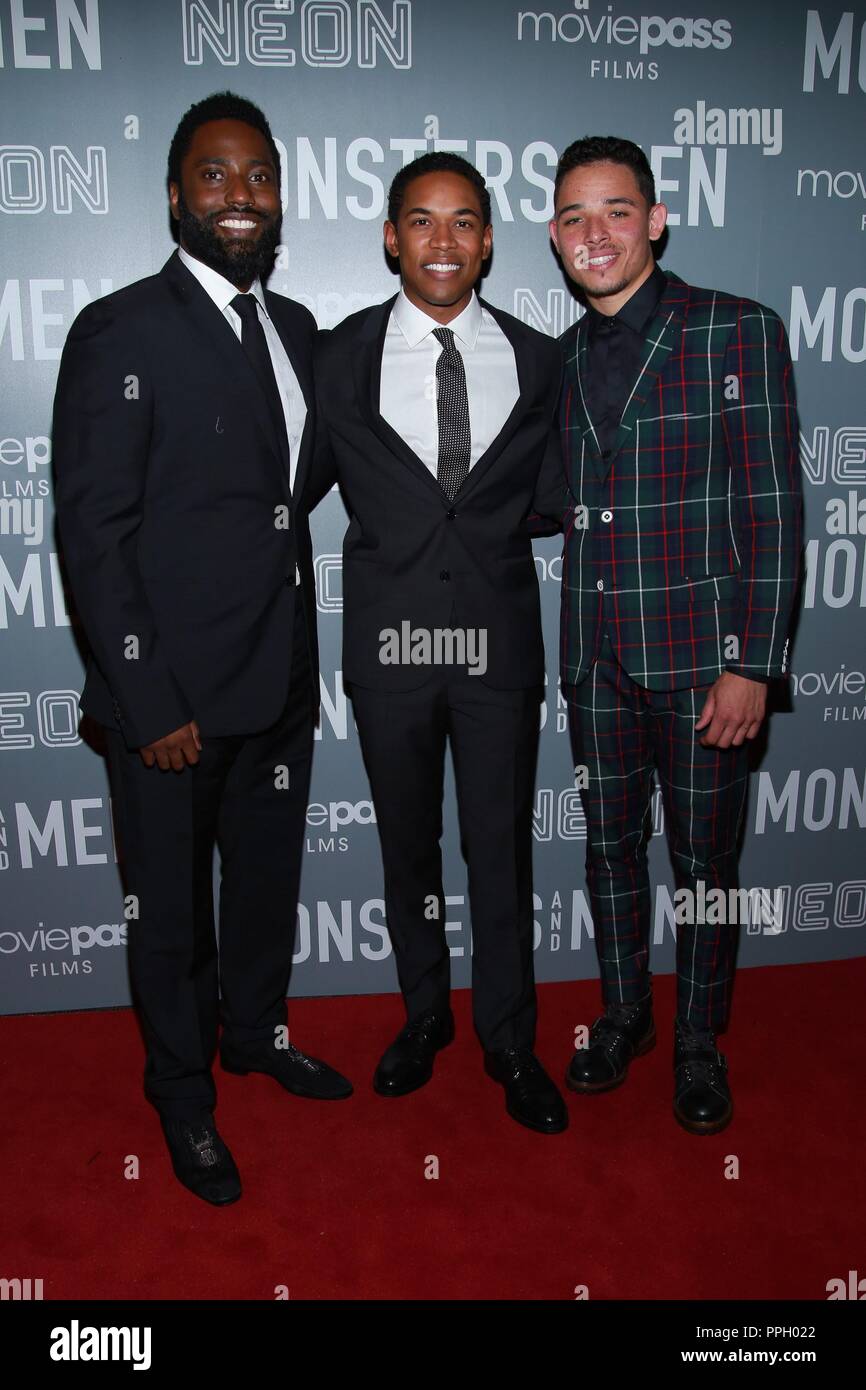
(687, 538)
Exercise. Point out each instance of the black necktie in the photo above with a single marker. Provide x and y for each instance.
(452, 404)
(255, 345)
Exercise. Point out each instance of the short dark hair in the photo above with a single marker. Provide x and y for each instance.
(593, 149)
(220, 106)
(437, 162)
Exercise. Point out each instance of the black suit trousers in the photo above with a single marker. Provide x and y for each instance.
(248, 794)
(494, 744)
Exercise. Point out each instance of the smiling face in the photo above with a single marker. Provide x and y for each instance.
(603, 230)
(227, 204)
(441, 243)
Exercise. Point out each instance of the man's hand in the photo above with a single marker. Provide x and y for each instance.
(734, 710)
(175, 750)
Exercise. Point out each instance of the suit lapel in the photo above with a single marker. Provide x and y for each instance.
(219, 338)
(578, 364)
(368, 377)
(302, 367)
(525, 361)
(662, 336)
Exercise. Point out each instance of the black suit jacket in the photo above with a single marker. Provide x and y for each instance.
(169, 480)
(411, 554)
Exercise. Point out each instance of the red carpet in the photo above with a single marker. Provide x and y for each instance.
(336, 1204)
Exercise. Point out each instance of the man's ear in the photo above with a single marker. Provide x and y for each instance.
(657, 220)
(389, 233)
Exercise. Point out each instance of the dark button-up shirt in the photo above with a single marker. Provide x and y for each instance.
(615, 350)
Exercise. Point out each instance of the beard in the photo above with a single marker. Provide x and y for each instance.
(609, 289)
(602, 291)
(238, 260)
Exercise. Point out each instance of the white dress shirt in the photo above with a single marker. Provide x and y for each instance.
(222, 292)
(407, 392)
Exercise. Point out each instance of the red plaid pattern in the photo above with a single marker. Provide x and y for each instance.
(686, 540)
(620, 732)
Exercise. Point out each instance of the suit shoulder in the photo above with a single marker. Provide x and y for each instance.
(344, 335)
(541, 343)
(705, 305)
(131, 305)
(293, 311)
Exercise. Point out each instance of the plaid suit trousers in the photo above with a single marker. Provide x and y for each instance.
(621, 732)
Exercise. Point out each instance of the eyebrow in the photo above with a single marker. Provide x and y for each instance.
(459, 212)
(219, 159)
(573, 207)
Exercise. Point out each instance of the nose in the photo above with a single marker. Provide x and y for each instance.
(442, 235)
(239, 192)
(595, 231)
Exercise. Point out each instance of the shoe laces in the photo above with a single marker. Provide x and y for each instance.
(625, 1013)
(608, 1031)
(699, 1058)
(696, 1039)
(606, 1035)
(704, 1069)
(522, 1064)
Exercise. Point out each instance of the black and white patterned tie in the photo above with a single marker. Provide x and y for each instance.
(452, 403)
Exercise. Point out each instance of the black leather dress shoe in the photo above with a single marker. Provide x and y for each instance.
(623, 1031)
(302, 1075)
(530, 1096)
(408, 1063)
(201, 1160)
(702, 1098)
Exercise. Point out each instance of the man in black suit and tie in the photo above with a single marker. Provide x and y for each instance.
(183, 430)
(435, 411)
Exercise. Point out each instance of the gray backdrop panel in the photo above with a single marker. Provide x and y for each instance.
(752, 116)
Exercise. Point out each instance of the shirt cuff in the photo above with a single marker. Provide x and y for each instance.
(750, 675)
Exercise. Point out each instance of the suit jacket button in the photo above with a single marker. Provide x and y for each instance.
(605, 453)
(451, 515)
(445, 575)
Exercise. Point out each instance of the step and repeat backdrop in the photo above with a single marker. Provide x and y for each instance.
(752, 116)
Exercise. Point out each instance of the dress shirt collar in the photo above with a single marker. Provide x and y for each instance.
(415, 325)
(639, 310)
(220, 290)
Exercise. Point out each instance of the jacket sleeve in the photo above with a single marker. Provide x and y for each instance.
(103, 411)
(323, 472)
(550, 499)
(759, 418)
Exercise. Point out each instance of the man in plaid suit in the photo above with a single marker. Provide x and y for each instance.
(682, 538)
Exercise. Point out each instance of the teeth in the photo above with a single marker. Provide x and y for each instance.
(241, 225)
(600, 260)
(440, 265)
